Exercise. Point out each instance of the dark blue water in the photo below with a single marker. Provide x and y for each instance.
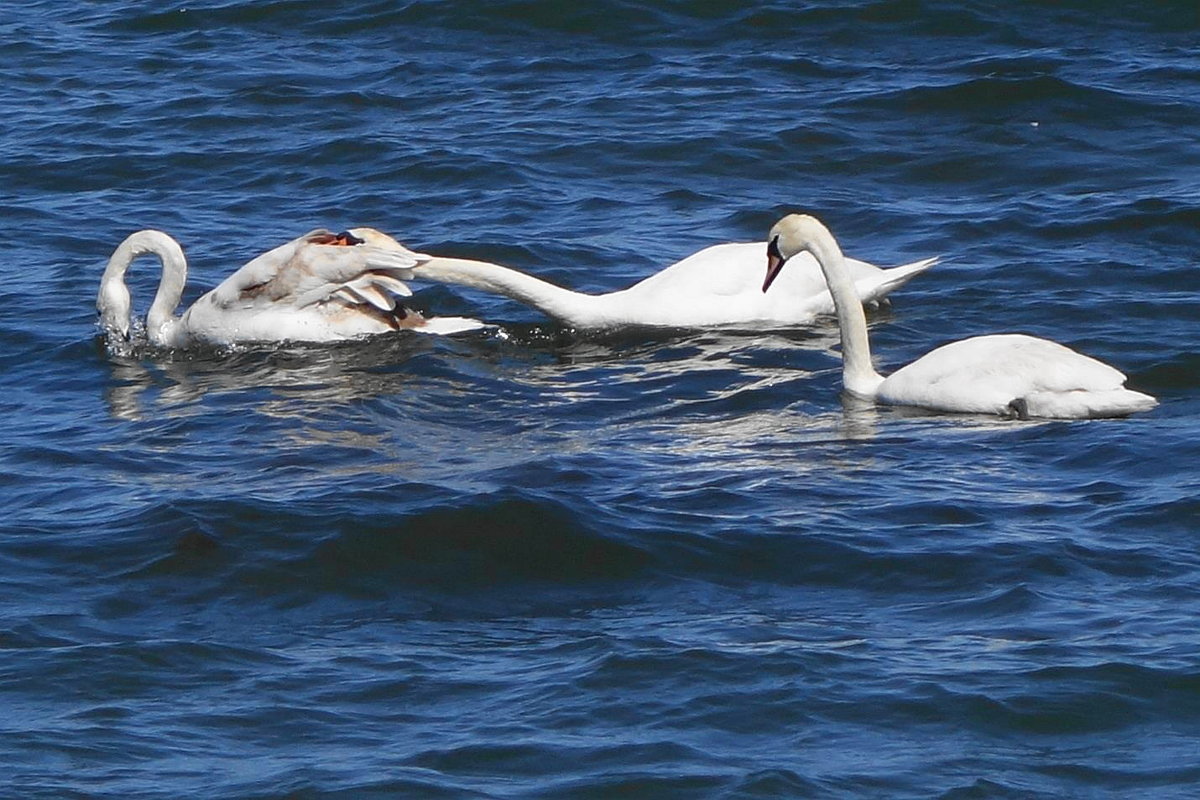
(527, 563)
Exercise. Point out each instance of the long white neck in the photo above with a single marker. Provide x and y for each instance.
(858, 373)
(113, 301)
(564, 305)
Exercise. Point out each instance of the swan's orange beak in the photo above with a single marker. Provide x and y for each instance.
(775, 262)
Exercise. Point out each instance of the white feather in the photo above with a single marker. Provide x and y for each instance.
(1004, 374)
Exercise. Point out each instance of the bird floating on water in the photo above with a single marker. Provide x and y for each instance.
(320, 287)
(1010, 375)
(717, 286)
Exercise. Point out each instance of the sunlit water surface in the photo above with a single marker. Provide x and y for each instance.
(524, 562)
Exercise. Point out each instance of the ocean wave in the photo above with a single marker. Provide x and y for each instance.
(534, 562)
(1028, 98)
(515, 539)
(623, 21)
(450, 547)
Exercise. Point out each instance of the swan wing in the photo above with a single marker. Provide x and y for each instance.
(736, 268)
(1083, 404)
(875, 287)
(729, 270)
(722, 285)
(872, 284)
(1011, 374)
(367, 269)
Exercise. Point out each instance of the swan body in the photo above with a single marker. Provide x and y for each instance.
(1004, 374)
(716, 286)
(319, 287)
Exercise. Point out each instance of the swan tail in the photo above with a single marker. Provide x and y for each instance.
(1081, 404)
(366, 293)
(441, 326)
(390, 283)
(879, 287)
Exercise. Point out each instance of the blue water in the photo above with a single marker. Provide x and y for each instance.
(529, 563)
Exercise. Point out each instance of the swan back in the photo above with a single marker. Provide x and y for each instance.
(1013, 375)
(719, 285)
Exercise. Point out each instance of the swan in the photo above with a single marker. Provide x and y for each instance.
(1010, 375)
(319, 287)
(716, 286)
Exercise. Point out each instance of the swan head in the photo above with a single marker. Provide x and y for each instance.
(373, 236)
(379, 250)
(790, 236)
(116, 308)
(352, 237)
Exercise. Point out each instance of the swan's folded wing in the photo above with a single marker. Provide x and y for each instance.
(360, 273)
(985, 374)
(257, 277)
(878, 285)
(309, 270)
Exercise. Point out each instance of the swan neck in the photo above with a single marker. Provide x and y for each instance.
(161, 314)
(114, 302)
(562, 304)
(858, 374)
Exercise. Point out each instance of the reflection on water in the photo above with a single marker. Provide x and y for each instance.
(552, 360)
(438, 409)
(149, 380)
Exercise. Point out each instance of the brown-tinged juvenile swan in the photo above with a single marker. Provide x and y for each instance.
(717, 286)
(321, 287)
(1006, 374)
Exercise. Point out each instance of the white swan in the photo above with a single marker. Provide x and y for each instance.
(320, 287)
(1008, 374)
(716, 286)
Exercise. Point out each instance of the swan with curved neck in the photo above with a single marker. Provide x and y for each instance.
(716, 286)
(319, 287)
(1004, 374)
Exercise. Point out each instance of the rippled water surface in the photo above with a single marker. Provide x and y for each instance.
(525, 562)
